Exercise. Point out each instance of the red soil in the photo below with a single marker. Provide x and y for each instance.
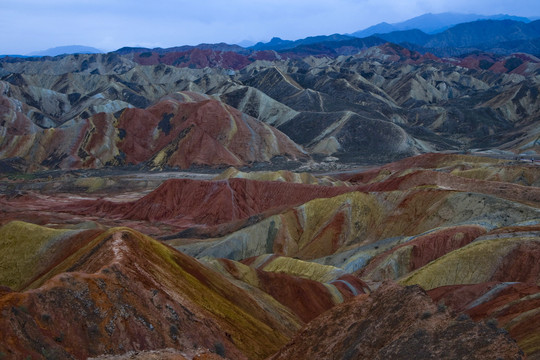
(525, 194)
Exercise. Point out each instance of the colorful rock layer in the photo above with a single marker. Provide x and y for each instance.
(277, 264)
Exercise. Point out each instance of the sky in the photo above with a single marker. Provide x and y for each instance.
(34, 25)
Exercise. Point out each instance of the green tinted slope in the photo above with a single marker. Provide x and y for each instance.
(23, 247)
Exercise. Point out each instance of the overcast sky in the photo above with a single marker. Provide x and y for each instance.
(33, 25)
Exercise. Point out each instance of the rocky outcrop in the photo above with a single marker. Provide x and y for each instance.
(396, 323)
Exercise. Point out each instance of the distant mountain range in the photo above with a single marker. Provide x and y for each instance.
(215, 47)
(280, 44)
(444, 34)
(504, 37)
(70, 49)
(483, 44)
(497, 36)
(433, 23)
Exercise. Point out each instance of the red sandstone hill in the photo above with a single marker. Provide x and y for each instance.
(200, 202)
(519, 63)
(125, 292)
(454, 172)
(200, 58)
(198, 131)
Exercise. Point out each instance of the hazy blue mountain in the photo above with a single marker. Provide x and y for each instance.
(334, 48)
(280, 44)
(70, 49)
(498, 36)
(215, 47)
(129, 49)
(433, 23)
(380, 28)
(415, 36)
(246, 43)
(485, 32)
(531, 46)
(275, 43)
(13, 55)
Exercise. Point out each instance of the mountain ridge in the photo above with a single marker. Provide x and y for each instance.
(495, 35)
(433, 23)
